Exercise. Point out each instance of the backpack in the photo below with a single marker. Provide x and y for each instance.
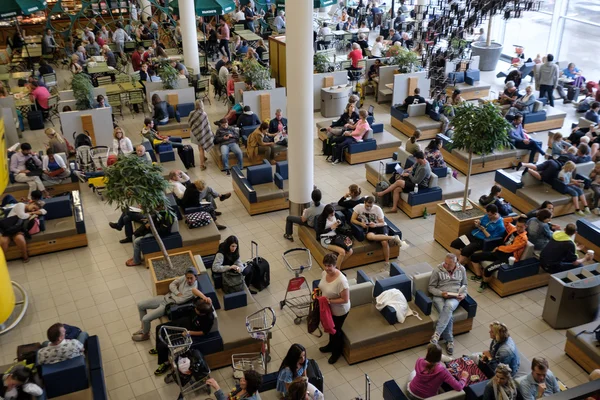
(504, 207)
(198, 219)
(233, 282)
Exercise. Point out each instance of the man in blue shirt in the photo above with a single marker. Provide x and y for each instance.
(519, 138)
(490, 226)
(592, 114)
(540, 383)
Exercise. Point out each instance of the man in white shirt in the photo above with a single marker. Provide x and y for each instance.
(324, 31)
(59, 349)
(239, 15)
(224, 72)
(177, 181)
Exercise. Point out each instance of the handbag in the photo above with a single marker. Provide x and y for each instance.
(56, 172)
(198, 219)
(313, 319)
(34, 226)
(34, 170)
(342, 241)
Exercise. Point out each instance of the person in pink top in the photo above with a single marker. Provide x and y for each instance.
(357, 133)
(224, 39)
(429, 374)
(39, 94)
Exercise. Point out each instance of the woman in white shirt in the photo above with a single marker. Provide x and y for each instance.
(334, 286)
(54, 167)
(377, 48)
(121, 143)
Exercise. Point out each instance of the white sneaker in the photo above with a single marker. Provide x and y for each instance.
(435, 338)
(587, 210)
(336, 162)
(386, 266)
(580, 213)
(596, 211)
(396, 239)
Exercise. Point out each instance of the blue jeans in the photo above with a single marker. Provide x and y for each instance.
(534, 146)
(445, 323)
(574, 191)
(547, 92)
(235, 148)
(8, 199)
(137, 250)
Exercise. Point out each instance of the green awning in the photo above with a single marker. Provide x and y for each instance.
(12, 8)
(209, 8)
(226, 5)
(317, 3)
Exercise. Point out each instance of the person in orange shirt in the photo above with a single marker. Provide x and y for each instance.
(514, 245)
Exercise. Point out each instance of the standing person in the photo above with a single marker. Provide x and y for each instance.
(371, 219)
(448, 287)
(547, 77)
(19, 167)
(136, 58)
(227, 139)
(224, 36)
(429, 374)
(521, 140)
(502, 386)
(308, 215)
(540, 383)
(334, 286)
(228, 259)
(294, 368)
(201, 132)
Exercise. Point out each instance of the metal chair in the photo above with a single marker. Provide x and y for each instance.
(122, 78)
(238, 27)
(115, 103)
(136, 97)
(50, 80)
(52, 109)
(146, 43)
(129, 47)
(203, 90)
(104, 80)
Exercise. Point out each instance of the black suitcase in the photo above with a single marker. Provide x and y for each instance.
(261, 271)
(327, 149)
(572, 93)
(35, 119)
(315, 377)
(186, 154)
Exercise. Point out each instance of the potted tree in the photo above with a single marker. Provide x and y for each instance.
(132, 182)
(167, 74)
(83, 91)
(259, 75)
(405, 59)
(478, 129)
(320, 62)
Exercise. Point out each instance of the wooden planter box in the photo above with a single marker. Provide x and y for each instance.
(448, 227)
(162, 287)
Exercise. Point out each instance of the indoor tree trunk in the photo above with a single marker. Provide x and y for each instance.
(159, 240)
(488, 40)
(466, 198)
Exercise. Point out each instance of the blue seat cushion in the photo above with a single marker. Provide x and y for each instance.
(207, 288)
(391, 391)
(166, 156)
(259, 174)
(208, 344)
(185, 109)
(424, 196)
(377, 127)
(98, 385)
(235, 300)
(58, 207)
(281, 167)
(360, 147)
(537, 116)
(456, 77)
(65, 377)
(94, 356)
(400, 282)
(473, 74)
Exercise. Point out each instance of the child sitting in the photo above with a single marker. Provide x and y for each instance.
(573, 187)
(595, 186)
(559, 146)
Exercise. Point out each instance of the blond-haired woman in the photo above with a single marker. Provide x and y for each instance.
(56, 142)
(201, 132)
(503, 350)
(75, 67)
(121, 143)
(502, 386)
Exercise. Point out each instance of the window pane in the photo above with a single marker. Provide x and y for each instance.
(530, 31)
(587, 10)
(548, 6)
(578, 36)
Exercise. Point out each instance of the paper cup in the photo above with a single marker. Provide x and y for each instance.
(591, 253)
(511, 260)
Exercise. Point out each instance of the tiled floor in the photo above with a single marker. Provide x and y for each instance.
(92, 288)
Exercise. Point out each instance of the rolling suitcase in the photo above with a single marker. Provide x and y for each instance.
(572, 93)
(35, 119)
(186, 154)
(261, 271)
(385, 200)
(315, 377)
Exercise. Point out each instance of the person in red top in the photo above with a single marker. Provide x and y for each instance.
(136, 59)
(355, 55)
(514, 245)
(39, 94)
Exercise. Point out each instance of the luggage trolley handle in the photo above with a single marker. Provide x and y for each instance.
(381, 171)
(367, 387)
(254, 251)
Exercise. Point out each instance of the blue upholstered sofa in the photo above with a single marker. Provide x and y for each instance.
(416, 117)
(260, 190)
(177, 127)
(468, 82)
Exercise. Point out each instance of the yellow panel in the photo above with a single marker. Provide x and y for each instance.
(4, 163)
(7, 295)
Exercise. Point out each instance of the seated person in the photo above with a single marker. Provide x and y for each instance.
(574, 73)
(546, 205)
(433, 155)
(583, 154)
(199, 194)
(101, 102)
(510, 94)
(17, 383)
(491, 198)
(371, 219)
(394, 36)
(347, 119)
(257, 143)
(560, 254)
(539, 230)
(125, 220)
(592, 114)
(430, 373)
(161, 113)
(540, 383)
(574, 188)
(54, 167)
(411, 145)
(559, 146)
(417, 175)
(59, 348)
(140, 152)
(352, 198)
(228, 259)
(15, 229)
(502, 386)
(278, 124)
(503, 350)
(374, 69)
(247, 118)
(525, 104)
(247, 389)
(293, 366)
(514, 245)
(178, 182)
(355, 56)
(448, 287)
(363, 43)
(198, 323)
(521, 140)
(227, 140)
(243, 49)
(152, 135)
(325, 230)
(416, 98)
(515, 77)
(490, 225)
(181, 290)
(162, 222)
(308, 215)
(548, 170)
(359, 130)
(39, 95)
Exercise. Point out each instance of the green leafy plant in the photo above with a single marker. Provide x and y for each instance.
(259, 75)
(167, 74)
(321, 62)
(479, 130)
(131, 181)
(83, 91)
(405, 59)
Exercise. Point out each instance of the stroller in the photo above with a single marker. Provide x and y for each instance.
(91, 161)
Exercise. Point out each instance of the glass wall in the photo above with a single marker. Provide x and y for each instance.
(530, 31)
(579, 45)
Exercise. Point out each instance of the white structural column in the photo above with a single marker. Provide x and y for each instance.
(145, 10)
(189, 37)
(299, 63)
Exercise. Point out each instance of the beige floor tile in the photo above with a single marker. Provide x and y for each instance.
(122, 393)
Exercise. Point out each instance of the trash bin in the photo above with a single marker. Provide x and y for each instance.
(334, 100)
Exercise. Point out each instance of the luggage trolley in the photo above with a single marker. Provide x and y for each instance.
(99, 156)
(259, 325)
(179, 342)
(298, 260)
